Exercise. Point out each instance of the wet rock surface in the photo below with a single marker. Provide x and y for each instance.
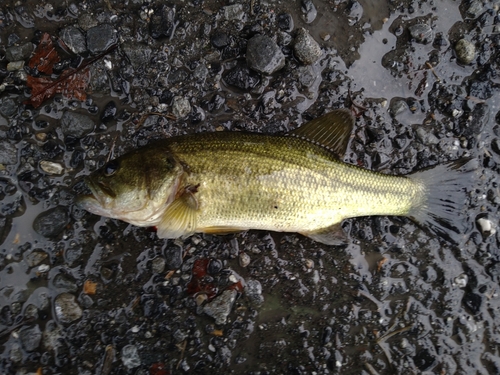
(81, 294)
(306, 48)
(264, 55)
(76, 124)
(51, 222)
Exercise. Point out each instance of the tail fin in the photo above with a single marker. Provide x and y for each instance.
(445, 197)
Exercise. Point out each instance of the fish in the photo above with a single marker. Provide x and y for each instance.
(225, 182)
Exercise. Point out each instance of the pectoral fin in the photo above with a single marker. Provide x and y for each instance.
(333, 235)
(180, 218)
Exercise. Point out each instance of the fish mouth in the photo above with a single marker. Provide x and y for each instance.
(95, 202)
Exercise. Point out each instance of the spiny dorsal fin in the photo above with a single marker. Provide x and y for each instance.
(180, 217)
(332, 131)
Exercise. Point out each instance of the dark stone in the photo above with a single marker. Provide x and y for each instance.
(285, 22)
(52, 149)
(17, 53)
(100, 38)
(74, 39)
(162, 22)
(216, 102)
(173, 257)
(12, 206)
(309, 11)
(214, 267)
(77, 159)
(8, 107)
(424, 359)
(178, 76)
(8, 153)
(473, 302)
(220, 40)
(494, 270)
(51, 222)
(138, 54)
(76, 124)
(242, 77)
(481, 89)
(109, 112)
(264, 55)
(326, 337)
(30, 337)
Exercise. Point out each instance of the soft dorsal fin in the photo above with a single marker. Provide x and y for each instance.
(180, 217)
(332, 130)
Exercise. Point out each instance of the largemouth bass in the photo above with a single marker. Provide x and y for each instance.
(233, 181)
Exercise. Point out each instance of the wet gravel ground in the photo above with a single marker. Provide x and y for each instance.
(81, 294)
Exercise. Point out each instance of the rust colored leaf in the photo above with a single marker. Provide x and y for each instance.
(72, 85)
(45, 56)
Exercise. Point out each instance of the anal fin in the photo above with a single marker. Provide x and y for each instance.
(333, 235)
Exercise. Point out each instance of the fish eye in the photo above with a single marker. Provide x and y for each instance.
(111, 168)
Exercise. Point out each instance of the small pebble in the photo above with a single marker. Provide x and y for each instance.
(15, 65)
(66, 308)
(244, 259)
(309, 11)
(307, 50)
(253, 291)
(30, 337)
(51, 167)
(462, 280)
(220, 307)
(486, 226)
(158, 265)
(466, 51)
(35, 258)
(130, 357)
(181, 107)
(234, 12)
(8, 153)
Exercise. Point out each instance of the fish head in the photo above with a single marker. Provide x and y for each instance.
(136, 187)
